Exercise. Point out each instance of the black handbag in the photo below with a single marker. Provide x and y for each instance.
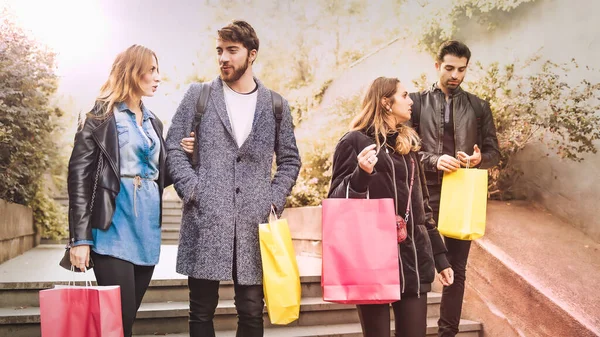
(65, 262)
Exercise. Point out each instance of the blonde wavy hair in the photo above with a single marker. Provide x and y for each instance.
(124, 79)
(376, 118)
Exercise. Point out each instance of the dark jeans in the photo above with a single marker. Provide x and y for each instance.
(410, 314)
(204, 297)
(452, 296)
(132, 279)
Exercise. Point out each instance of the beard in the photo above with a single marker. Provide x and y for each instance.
(452, 86)
(236, 74)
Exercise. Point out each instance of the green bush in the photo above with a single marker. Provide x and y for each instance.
(538, 107)
(27, 125)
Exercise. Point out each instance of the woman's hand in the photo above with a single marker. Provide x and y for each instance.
(446, 276)
(188, 143)
(367, 158)
(80, 257)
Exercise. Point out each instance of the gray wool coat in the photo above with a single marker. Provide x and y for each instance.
(231, 191)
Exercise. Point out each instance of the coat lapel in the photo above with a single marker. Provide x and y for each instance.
(104, 135)
(218, 98)
(264, 96)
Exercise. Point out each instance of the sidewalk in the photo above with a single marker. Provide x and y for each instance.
(41, 265)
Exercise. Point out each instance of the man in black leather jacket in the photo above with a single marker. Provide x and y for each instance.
(456, 128)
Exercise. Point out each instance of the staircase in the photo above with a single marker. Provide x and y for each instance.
(171, 221)
(164, 310)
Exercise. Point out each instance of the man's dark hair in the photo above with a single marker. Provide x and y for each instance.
(455, 48)
(241, 32)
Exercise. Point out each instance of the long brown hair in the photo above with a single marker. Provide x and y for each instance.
(124, 79)
(375, 117)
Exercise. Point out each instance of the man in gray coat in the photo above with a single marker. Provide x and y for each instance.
(231, 190)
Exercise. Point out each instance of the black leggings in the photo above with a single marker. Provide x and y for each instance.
(132, 279)
(410, 314)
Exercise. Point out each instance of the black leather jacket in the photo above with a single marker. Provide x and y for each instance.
(431, 129)
(98, 137)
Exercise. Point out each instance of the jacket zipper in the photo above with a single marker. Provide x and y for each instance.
(396, 211)
(454, 128)
(413, 238)
(441, 136)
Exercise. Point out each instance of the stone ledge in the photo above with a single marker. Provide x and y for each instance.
(533, 275)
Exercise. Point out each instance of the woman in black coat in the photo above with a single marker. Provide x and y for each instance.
(379, 155)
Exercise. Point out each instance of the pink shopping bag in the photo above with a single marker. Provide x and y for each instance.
(70, 311)
(360, 251)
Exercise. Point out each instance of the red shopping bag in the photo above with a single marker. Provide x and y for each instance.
(360, 251)
(69, 311)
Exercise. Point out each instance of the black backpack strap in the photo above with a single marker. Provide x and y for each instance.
(415, 116)
(200, 108)
(278, 112)
(478, 114)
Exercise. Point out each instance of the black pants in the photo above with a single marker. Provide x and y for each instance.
(204, 297)
(410, 315)
(452, 296)
(132, 279)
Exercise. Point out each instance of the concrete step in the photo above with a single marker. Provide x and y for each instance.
(467, 329)
(172, 204)
(171, 219)
(26, 294)
(169, 234)
(169, 242)
(170, 226)
(174, 211)
(172, 316)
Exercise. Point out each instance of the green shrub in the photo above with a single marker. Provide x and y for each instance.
(27, 125)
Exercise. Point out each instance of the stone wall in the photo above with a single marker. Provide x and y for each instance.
(17, 233)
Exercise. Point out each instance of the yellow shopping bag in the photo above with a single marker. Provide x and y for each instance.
(281, 279)
(463, 203)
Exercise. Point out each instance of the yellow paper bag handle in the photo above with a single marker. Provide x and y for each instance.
(273, 214)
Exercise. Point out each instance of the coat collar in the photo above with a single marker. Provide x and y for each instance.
(435, 88)
(122, 107)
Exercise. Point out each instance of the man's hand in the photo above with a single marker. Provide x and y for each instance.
(446, 276)
(188, 143)
(470, 161)
(447, 164)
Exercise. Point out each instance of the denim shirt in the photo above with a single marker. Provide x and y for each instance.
(134, 234)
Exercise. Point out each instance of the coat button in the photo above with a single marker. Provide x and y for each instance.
(237, 190)
(238, 159)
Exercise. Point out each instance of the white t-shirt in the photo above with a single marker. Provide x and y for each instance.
(240, 108)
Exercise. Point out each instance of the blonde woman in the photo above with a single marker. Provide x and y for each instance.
(116, 178)
(379, 157)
